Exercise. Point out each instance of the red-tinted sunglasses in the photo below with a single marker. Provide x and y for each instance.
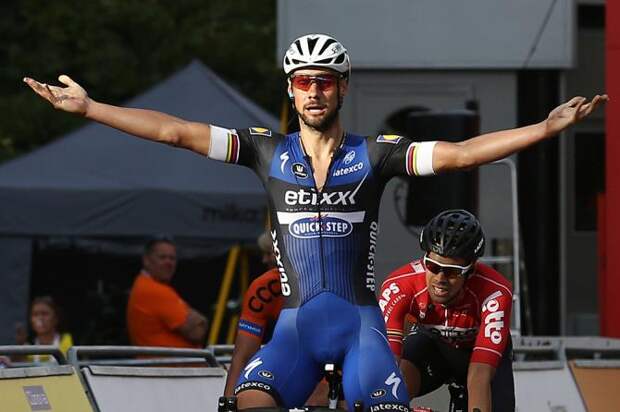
(323, 82)
(450, 271)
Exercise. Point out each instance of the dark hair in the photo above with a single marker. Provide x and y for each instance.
(49, 301)
(454, 233)
(155, 240)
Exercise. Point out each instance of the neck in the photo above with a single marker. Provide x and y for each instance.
(321, 144)
(46, 338)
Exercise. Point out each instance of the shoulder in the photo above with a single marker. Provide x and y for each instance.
(411, 273)
(266, 278)
(146, 285)
(259, 134)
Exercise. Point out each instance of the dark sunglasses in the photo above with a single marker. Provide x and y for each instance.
(450, 271)
(323, 82)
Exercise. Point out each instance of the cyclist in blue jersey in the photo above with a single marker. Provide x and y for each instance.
(324, 187)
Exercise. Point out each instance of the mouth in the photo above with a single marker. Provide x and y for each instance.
(315, 109)
(440, 291)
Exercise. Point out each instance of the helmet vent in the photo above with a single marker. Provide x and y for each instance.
(298, 45)
(339, 59)
(326, 45)
(312, 44)
(324, 61)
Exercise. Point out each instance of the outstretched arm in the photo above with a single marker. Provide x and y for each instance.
(497, 145)
(147, 124)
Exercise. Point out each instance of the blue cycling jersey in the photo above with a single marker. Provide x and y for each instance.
(324, 243)
(323, 240)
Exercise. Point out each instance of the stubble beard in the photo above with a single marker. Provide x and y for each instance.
(321, 124)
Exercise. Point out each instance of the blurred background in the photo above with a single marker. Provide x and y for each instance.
(420, 68)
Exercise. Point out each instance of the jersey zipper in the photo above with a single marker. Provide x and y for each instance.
(318, 204)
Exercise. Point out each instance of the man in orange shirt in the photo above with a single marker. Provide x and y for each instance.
(156, 314)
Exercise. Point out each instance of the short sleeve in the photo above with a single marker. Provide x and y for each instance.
(395, 155)
(494, 331)
(249, 147)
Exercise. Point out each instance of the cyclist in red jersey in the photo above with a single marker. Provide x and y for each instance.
(260, 310)
(460, 314)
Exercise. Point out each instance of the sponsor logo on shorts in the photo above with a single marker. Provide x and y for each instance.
(389, 407)
(299, 170)
(286, 288)
(389, 138)
(326, 226)
(260, 131)
(253, 385)
(394, 382)
(251, 366)
(378, 393)
(266, 374)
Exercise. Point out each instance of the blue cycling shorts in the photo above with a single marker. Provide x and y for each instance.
(328, 329)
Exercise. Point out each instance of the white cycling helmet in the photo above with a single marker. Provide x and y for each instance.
(317, 50)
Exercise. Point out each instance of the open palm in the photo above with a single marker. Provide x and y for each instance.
(72, 98)
(572, 112)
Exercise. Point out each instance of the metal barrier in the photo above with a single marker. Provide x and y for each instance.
(31, 386)
(192, 380)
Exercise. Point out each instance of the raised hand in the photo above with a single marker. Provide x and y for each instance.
(572, 112)
(72, 98)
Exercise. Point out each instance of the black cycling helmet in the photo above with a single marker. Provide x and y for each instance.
(453, 233)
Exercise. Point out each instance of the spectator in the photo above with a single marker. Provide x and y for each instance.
(46, 324)
(156, 314)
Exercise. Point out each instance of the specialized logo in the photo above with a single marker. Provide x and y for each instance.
(251, 366)
(286, 288)
(299, 170)
(372, 248)
(394, 382)
(326, 225)
(266, 374)
(378, 393)
(260, 131)
(349, 157)
(346, 170)
(387, 294)
(493, 322)
(389, 138)
(304, 197)
(284, 159)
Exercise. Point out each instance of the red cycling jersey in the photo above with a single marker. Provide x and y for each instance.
(479, 319)
(261, 305)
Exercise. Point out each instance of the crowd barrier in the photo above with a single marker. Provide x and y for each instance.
(551, 374)
(54, 387)
(161, 380)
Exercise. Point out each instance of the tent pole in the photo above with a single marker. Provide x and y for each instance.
(229, 273)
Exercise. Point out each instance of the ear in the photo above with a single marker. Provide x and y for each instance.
(344, 87)
(289, 90)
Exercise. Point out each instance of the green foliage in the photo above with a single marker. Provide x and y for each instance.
(118, 48)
